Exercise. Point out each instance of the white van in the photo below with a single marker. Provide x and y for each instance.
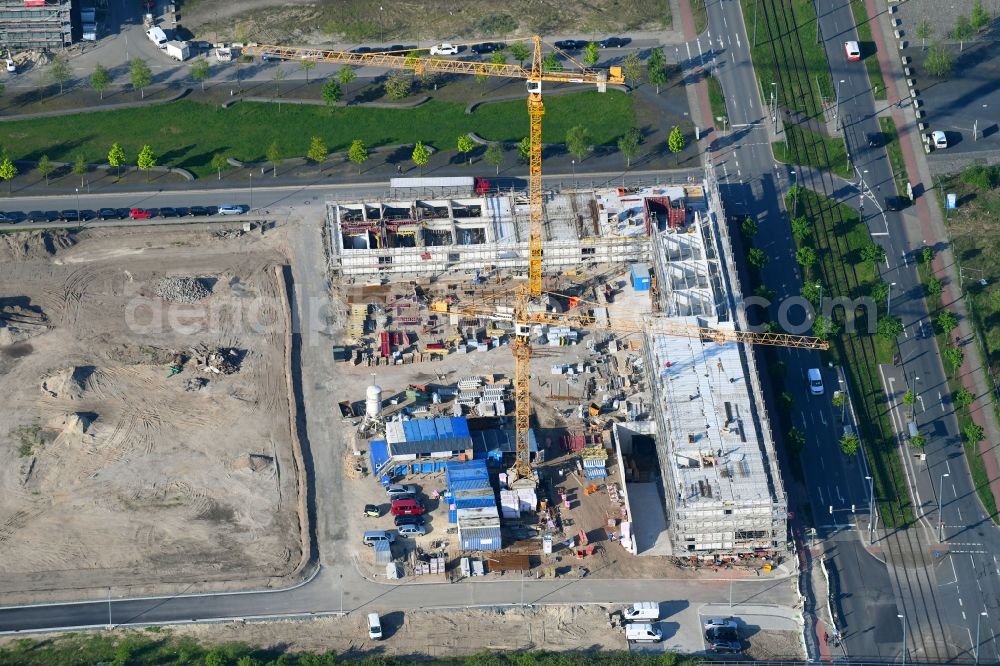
(373, 536)
(642, 610)
(642, 633)
(374, 627)
(815, 379)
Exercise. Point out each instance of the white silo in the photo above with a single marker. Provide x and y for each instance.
(373, 401)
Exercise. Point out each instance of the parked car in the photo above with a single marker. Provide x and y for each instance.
(362, 49)
(371, 537)
(614, 42)
(373, 510)
(15, 216)
(409, 507)
(52, 216)
(722, 634)
(400, 47)
(874, 139)
(411, 530)
(374, 627)
(199, 211)
(4, 218)
(488, 47)
(11, 67)
(852, 50)
(401, 489)
(108, 214)
(168, 212)
(122, 213)
(267, 57)
(140, 214)
(444, 49)
(815, 379)
(35, 216)
(715, 622)
(732, 647)
(570, 44)
(87, 214)
(231, 209)
(182, 211)
(211, 210)
(408, 520)
(938, 139)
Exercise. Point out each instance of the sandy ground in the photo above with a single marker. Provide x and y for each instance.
(113, 473)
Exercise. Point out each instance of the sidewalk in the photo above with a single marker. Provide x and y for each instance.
(932, 226)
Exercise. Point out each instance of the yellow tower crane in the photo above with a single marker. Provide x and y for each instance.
(534, 77)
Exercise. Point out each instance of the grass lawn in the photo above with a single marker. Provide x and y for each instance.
(186, 134)
(817, 68)
(700, 15)
(870, 55)
(973, 456)
(840, 221)
(801, 146)
(895, 152)
(718, 102)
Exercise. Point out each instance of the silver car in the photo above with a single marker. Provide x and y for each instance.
(411, 530)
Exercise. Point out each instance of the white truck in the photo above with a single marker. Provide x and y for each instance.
(157, 36)
(223, 54)
(178, 50)
(88, 18)
(645, 611)
(642, 633)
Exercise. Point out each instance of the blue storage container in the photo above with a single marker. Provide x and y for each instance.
(459, 426)
(480, 538)
(640, 277)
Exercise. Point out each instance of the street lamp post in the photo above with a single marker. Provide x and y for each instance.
(904, 637)
(836, 111)
(251, 191)
(78, 205)
(978, 618)
(888, 297)
(871, 507)
(819, 285)
(774, 104)
(940, 504)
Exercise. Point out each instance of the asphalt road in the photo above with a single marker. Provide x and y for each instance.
(940, 597)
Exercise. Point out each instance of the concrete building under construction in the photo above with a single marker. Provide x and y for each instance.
(35, 24)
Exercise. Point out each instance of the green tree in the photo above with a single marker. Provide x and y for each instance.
(934, 287)
(45, 167)
(498, 57)
(519, 52)
(918, 441)
(100, 79)
(796, 440)
(805, 256)
(494, 155)
(146, 160)
(927, 255)
(274, 157)
(358, 153)
(628, 145)
(839, 399)
(889, 328)
(116, 157)
(995, 300)
(980, 18)
(939, 61)
(60, 72)
(345, 75)
(879, 291)
(765, 292)
(219, 162)
(278, 75)
(785, 402)
(953, 358)
(80, 167)
(307, 65)
(140, 75)
(963, 398)
(962, 31)
(923, 32)
(591, 54)
(421, 155)
(200, 71)
(466, 145)
(873, 253)
(973, 433)
(749, 227)
(676, 142)
(632, 68)
(552, 63)
(524, 149)
(811, 291)
(397, 86)
(849, 444)
(824, 328)
(7, 172)
(578, 141)
(946, 321)
(757, 257)
(318, 152)
(801, 229)
(909, 398)
(656, 69)
(332, 92)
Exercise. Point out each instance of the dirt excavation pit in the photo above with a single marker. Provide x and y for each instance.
(145, 443)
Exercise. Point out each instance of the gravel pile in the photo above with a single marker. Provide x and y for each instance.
(181, 289)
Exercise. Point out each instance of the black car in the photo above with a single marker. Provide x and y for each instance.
(400, 47)
(4, 218)
(168, 212)
(108, 214)
(182, 212)
(614, 42)
(896, 203)
(362, 49)
(87, 214)
(267, 57)
(731, 647)
(15, 216)
(211, 210)
(51, 216)
(570, 44)
(72, 215)
(122, 213)
(408, 520)
(874, 139)
(198, 211)
(405, 496)
(714, 634)
(35, 216)
(488, 47)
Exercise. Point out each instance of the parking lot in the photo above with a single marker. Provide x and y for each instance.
(137, 213)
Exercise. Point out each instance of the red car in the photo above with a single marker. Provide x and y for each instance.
(140, 214)
(407, 507)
